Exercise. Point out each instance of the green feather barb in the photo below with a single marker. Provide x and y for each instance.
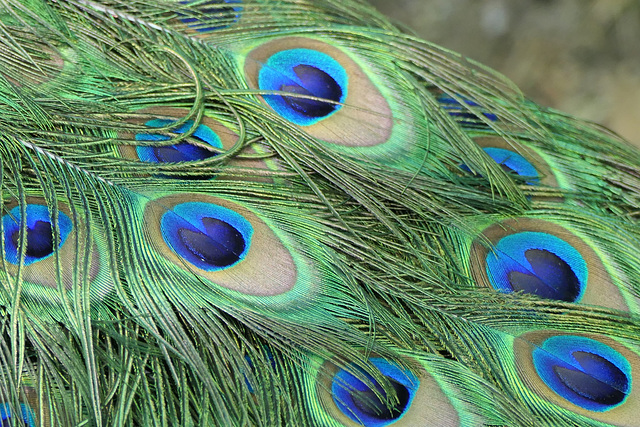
(290, 213)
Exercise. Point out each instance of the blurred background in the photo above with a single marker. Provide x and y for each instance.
(578, 56)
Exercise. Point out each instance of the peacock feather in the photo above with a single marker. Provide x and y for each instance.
(257, 212)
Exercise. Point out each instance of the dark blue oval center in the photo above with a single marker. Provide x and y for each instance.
(303, 72)
(368, 403)
(539, 264)
(209, 236)
(39, 240)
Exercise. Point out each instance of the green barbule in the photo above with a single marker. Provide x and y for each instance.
(290, 213)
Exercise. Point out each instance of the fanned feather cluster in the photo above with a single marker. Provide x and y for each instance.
(288, 213)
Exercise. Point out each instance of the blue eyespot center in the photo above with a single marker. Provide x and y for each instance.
(316, 83)
(459, 111)
(180, 152)
(304, 72)
(370, 406)
(28, 415)
(222, 250)
(209, 236)
(512, 162)
(552, 277)
(221, 14)
(584, 371)
(539, 264)
(39, 243)
(39, 240)
(584, 384)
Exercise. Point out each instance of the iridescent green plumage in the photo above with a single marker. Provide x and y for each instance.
(290, 213)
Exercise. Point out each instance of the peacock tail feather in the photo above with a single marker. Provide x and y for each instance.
(230, 213)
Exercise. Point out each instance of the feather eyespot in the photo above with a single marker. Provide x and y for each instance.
(352, 396)
(358, 401)
(180, 152)
(303, 72)
(591, 375)
(537, 263)
(257, 371)
(512, 162)
(541, 258)
(227, 244)
(584, 371)
(212, 15)
(43, 254)
(519, 159)
(28, 413)
(459, 111)
(39, 243)
(350, 111)
(209, 133)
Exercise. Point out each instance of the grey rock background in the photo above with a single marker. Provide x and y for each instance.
(578, 56)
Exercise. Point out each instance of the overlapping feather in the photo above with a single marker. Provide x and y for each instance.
(233, 287)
